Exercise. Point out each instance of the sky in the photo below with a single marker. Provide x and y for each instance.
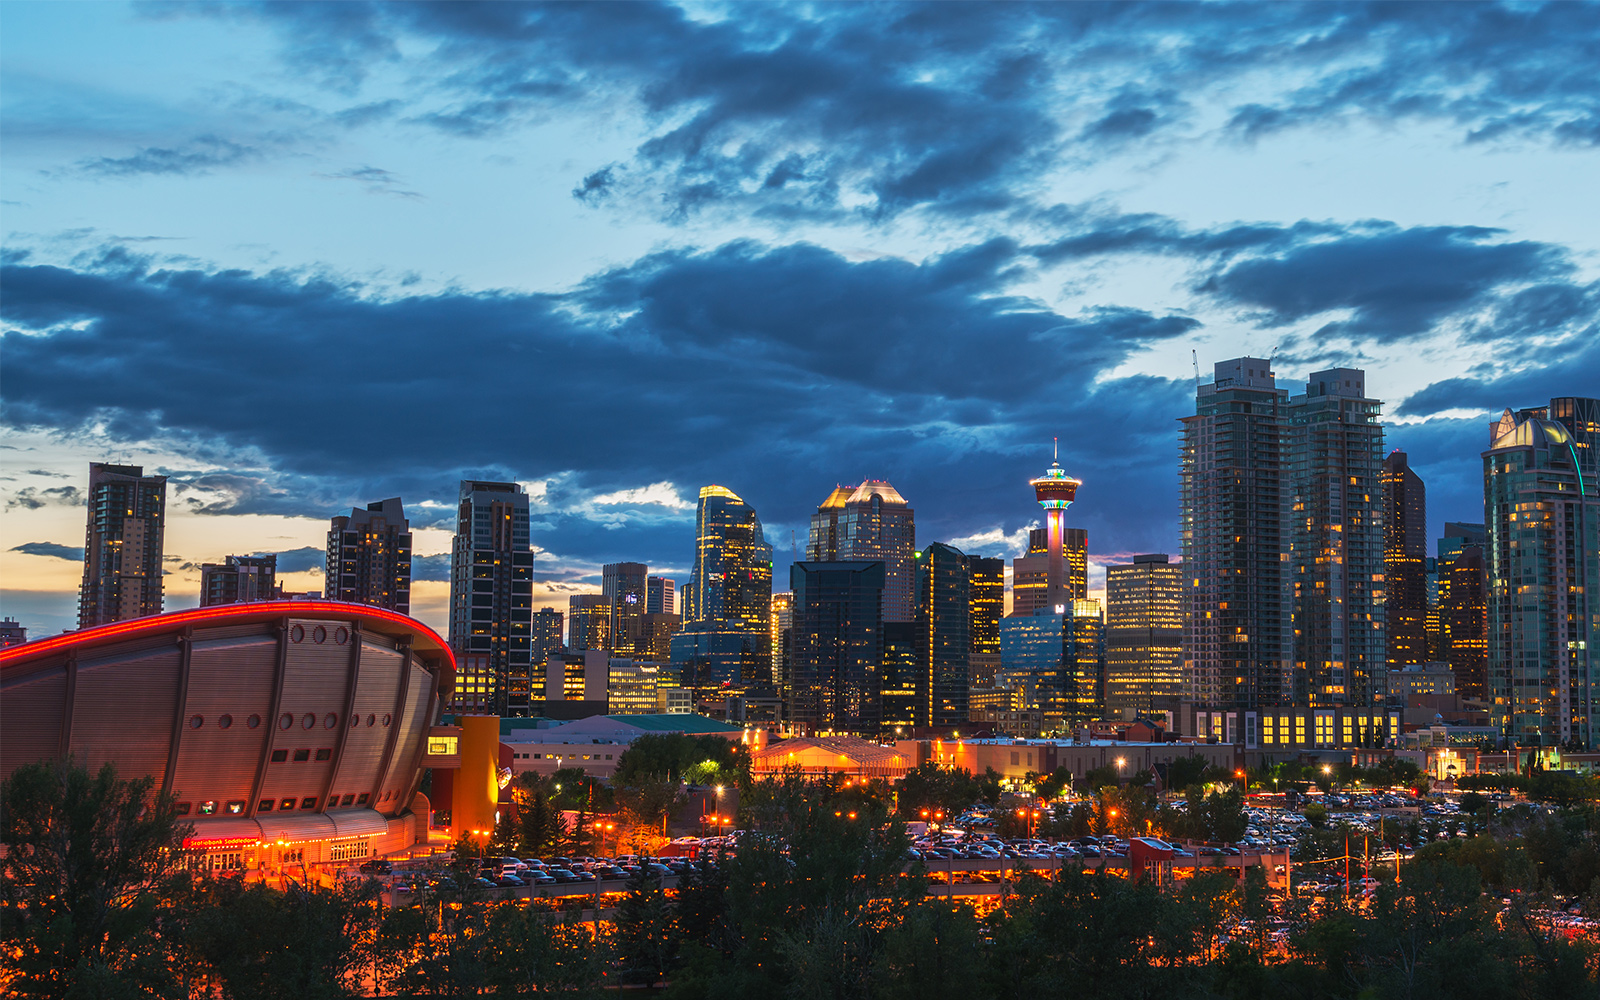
(300, 257)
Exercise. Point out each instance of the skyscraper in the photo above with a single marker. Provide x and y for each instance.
(1030, 573)
(546, 633)
(727, 605)
(837, 645)
(491, 591)
(781, 615)
(1405, 563)
(944, 622)
(123, 548)
(1337, 543)
(1463, 608)
(588, 622)
(897, 685)
(1061, 657)
(369, 557)
(1144, 634)
(987, 577)
(660, 597)
(873, 521)
(239, 579)
(1237, 638)
(1541, 500)
(623, 587)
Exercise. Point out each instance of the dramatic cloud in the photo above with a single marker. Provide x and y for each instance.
(800, 111)
(788, 367)
(33, 498)
(50, 549)
(302, 560)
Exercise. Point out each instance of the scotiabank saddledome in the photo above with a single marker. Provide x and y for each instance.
(290, 730)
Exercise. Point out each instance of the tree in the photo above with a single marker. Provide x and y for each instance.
(1186, 771)
(88, 862)
(540, 828)
(651, 801)
(647, 933)
(674, 757)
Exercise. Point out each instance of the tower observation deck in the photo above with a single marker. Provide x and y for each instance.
(1055, 491)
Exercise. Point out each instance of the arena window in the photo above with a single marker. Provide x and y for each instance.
(279, 756)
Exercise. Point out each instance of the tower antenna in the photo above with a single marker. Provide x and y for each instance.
(1055, 450)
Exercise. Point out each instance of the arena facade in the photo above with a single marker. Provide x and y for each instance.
(288, 731)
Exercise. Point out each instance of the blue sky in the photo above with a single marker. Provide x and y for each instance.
(303, 256)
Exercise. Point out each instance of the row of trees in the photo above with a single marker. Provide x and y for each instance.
(96, 903)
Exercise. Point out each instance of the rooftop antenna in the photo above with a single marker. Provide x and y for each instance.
(1055, 450)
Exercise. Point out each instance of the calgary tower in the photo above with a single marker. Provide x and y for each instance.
(1055, 491)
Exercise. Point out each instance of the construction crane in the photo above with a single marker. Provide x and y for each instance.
(1195, 357)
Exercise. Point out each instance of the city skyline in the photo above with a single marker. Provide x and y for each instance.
(778, 251)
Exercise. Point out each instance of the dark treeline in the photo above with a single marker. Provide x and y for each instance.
(814, 905)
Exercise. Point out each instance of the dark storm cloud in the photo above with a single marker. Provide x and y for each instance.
(50, 549)
(775, 371)
(32, 498)
(436, 567)
(809, 110)
(303, 560)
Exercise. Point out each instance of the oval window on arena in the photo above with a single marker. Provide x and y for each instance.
(329, 721)
(341, 635)
(387, 718)
(253, 722)
(372, 720)
(195, 722)
(319, 635)
(297, 634)
(309, 721)
(225, 722)
(355, 720)
(285, 721)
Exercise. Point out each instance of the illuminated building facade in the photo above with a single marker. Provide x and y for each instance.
(943, 620)
(123, 545)
(1237, 638)
(874, 522)
(836, 649)
(491, 592)
(1542, 518)
(650, 636)
(369, 557)
(781, 617)
(1463, 608)
(12, 633)
(623, 585)
(283, 727)
(1405, 563)
(546, 632)
(897, 685)
(588, 622)
(1144, 635)
(246, 579)
(987, 590)
(1063, 659)
(1030, 573)
(727, 606)
(1337, 541)
(1055, 491)
(660, 596)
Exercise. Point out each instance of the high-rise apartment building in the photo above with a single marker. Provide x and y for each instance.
(369, 557)
(1144, 634)
(837, 645)
(1541, 499)
(239, 579)
(944, 635)
(123, 545)
(872, 521)
(727, 606)
(660, 596)
(1462, 608)
(547, 634)
(491, 592)
(1238, 641)
(650, 636)
(1030, 573)
(1405, 563)
(781, 616)
(897, 680)
(1060, 659)
(1335, 454)
(987, 583)
(624, 588)
(588, 622)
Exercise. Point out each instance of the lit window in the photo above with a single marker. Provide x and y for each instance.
(207, 808)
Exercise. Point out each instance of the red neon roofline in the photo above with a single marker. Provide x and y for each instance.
(257, 610)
